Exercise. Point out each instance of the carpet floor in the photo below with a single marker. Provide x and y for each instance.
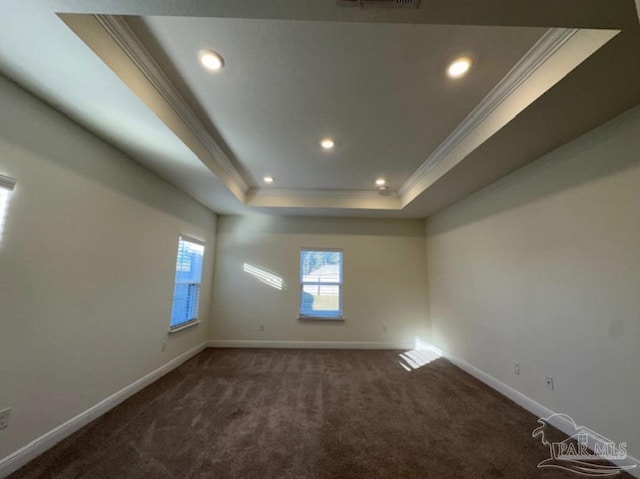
(260, 414)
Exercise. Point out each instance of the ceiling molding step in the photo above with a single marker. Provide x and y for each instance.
(541, 13)
(316, 198)
(544, 48)
(130, 44)
(266, 192)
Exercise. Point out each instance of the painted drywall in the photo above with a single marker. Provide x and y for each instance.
(87, 262)
(543, 268)
(384, 279)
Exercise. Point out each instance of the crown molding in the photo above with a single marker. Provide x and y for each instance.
(127, 40)
(542, 50)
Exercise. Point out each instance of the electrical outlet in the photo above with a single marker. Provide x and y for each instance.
(549, 382)
(4, 418)
(384, 328)
(262, 327)
(516, 368)
(164, 346)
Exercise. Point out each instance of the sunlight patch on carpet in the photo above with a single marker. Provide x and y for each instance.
(422, 354)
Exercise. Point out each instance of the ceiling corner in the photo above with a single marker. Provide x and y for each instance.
(111, 38)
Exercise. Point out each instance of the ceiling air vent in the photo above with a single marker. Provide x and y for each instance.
(379, 3)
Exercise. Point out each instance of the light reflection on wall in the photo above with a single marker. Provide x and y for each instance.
(422, 354)
(4, 206)
(264, 276)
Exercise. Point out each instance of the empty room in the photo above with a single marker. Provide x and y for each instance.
(319, 239)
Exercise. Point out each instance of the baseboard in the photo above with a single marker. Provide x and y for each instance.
(517, 397)
(229, 343)
(530, 405)
(22, 456)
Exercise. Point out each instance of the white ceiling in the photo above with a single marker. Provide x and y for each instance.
(380, 90)
(298, 70)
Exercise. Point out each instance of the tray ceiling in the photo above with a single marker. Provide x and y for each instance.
(375, 83)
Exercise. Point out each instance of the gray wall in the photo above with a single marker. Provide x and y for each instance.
(385, 278)
(87, 262)
(543, 267)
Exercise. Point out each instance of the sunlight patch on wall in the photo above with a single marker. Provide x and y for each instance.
(264, 276)
(422, 354)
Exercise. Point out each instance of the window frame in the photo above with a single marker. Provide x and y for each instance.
(196, 320)
(340, 284)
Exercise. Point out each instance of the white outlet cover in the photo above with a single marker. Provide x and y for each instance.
(549, 382)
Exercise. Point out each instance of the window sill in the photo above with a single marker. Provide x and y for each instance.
(321, 318)
(184, 326)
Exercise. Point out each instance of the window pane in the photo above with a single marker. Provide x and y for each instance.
(321, 266)
(189, 263)
(185, 303)
(320, 300)
(186, 292)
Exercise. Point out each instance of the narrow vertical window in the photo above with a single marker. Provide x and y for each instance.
(186, 293)
(320, 284)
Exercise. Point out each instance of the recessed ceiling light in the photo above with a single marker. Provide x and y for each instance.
(459, 67)
(327, 144)
(211, 60)
(268, 179)
(380, 181)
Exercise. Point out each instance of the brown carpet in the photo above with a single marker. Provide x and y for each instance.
(233, 413)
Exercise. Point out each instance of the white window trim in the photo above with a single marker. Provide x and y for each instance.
(186, 325)
(303, 317)
(191, 239)
(316, 317)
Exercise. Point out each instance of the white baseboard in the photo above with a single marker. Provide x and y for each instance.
(530, 405)
(230, 343)
(22, 456)
(517, 397)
